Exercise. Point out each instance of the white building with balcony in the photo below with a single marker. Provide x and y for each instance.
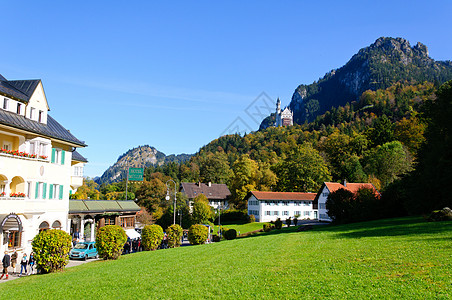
(38, 165)
(269, 206)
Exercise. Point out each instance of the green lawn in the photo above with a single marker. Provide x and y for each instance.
(242, 228)
(404, 258)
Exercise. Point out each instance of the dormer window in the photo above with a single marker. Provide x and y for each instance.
(5, 103)
(19, 108)
(40, 116)
(32, 113)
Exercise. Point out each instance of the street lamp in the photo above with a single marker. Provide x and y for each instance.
(168, 197)
(219, 218)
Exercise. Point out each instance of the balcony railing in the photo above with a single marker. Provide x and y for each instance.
(23, 155)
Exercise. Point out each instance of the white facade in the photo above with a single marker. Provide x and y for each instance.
(270, 210)
(323, 212)
(35, 171)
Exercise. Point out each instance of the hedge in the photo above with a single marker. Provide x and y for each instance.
(198, 234)
(174, 235)
(151, 237)
(51, 250)
(110, 240)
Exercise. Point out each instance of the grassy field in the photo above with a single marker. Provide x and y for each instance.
(242, 228)
(404, 258)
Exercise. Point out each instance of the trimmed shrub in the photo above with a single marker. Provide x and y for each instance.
(289, 221)
(174, 235)
(233, 216)
(198, 234)
(110, 241)
(51, 250)
(444, 214)
(215, 238)
(278, 223)
(151, 237)
(230, 234)
(267, 227)
(252, 219)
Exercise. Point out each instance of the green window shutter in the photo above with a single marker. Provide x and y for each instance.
(62, 156)
(37, 190)
(44, 191)
(51, 191)
(53, 156)
(61, 192)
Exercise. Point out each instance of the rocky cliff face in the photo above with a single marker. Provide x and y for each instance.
(378, 66)
(139, 157)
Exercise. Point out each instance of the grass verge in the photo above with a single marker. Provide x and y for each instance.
(404, 258)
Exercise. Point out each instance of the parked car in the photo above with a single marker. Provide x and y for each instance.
(84, 250)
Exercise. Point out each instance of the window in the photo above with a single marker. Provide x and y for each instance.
(285, 203)
(58, 156)
(325, 194)
(285, 213)
(297, 203)
(110, 221)
(306, 213)
(32, 113)
(14, 239)
(322, 206)
(56, 225)
(39, 192)
(42, 149)
(7, 146)
(297, 213)
(267, 213)
(128, 222)
(19, 108)
(276, 213)
(44, 226)
(5, 103)
(40, 116)
(306, 203)
(29, 189)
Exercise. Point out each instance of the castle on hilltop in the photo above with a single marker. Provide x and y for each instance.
(283, 118)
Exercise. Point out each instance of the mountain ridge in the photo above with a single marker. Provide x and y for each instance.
(378, 66)
(138, 157)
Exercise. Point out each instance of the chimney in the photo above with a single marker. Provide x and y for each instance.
(199, 183)
(209, 184)
(344, 183)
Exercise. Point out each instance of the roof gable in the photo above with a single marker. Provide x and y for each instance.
(352, 187)
(294, 196)
(214, 191)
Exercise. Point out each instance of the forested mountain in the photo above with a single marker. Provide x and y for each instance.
(385, 62)
(139, 157)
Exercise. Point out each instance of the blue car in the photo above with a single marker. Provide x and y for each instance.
(84, 250)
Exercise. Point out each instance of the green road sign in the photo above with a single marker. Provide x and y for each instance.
(136, 174)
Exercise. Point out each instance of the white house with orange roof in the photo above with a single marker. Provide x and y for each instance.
(269, 206)
(327, 188)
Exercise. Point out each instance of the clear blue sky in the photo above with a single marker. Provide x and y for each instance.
(120, 74)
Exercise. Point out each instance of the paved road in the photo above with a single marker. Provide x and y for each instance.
(71, 263)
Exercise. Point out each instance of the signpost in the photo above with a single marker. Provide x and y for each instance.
(134, 174)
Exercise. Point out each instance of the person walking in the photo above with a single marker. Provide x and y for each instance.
(31, 263)
(14, 260)
(23, 264)
(6, 261)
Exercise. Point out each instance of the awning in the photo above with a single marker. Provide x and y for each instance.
(132, 233)
(11, 222)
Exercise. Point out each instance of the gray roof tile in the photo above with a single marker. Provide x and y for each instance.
(52, 129)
